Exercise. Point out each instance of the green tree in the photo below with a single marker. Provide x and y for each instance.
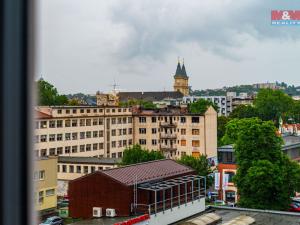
(266, 178)
(48, 95)
(200, 165)
(200, 106)
(244, 111)
(271, 104)
(135, 154)
(134, 102)
(221, 128)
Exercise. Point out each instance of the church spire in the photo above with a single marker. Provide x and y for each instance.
(183, 72)
(178, 69)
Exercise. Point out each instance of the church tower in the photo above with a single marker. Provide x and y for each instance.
(181, 80)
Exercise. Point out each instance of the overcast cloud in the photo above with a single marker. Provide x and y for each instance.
(83, 45)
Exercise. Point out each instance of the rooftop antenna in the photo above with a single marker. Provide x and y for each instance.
(115, 85)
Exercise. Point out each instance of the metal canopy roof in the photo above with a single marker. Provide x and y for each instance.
(163, 185)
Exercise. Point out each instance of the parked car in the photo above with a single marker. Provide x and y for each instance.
(53, 220)
(231, 204)
(219, 203)
(295, 207)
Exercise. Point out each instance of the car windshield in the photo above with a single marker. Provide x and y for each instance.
(48, 221)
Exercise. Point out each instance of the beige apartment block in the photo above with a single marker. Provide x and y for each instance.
(45, 179)
(106, 131)
(82, 131)
(176, 132)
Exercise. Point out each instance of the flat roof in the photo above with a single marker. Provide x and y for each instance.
(88, 160)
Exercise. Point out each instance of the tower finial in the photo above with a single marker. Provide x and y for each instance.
(178, 59)
(182, 60)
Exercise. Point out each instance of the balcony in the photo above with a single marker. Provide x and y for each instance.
(168, 136)
(167, 124)
(168, 148)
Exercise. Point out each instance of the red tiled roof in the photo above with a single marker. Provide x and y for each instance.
(41, 115)
(149, 171)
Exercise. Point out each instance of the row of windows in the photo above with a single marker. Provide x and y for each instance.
(95, 110)
(79, 122)
(182, 119)
(195, 143)
(81, 148)
(155, 130)
(80, 169)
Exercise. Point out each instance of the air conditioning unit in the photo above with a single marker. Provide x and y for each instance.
(97, 212)
(110, 212)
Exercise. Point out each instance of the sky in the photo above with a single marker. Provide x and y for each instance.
(88, 45)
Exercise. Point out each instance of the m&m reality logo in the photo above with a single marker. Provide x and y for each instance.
(285, 17)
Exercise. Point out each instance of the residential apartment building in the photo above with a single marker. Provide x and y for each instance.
(223, 104)
(176, 132)
(107, 131)
(45, 178)
(82, 131)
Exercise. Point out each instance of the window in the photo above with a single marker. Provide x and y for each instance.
(113, 132)
(183, 142)
(129, 119)
(74, 136)
(88, 122)
(124, 131)
(124, 120)
(142, 119)
(59, 111)
(182, 119)
(129, 130)
(52, 123)
(50, 192)
(82, 122)
(94, 110)
(183, 153)
(119, 120)
(120, 143)
(142, 130)
(85, 169)
(81, 148)
(52, 151)
(74, 149)
(41, 197)
(78, 169)
(95, 146)
(101, 146)
(43, 152)
(142, 141)
(113, 121)
(95, 134)
(42, 175)
(74, 123)
(74, 111)
(119, 110)
(43, 124)
(67, 123)
(82, 135)
(81, 110)
(67, 136)
(230, 176)
(64, 168)
(67, 111)
(51, 137)
(119, 154)
(183, 131)
(71, 169)
(100, 168)
(195, 143)
(101, 134)
(113, 144)
(67, 149)
(124, 110)
(88, 134)
(113, 110)
(124, 143)
(95, 122)
(154, 130)
(100, 110)
(153, 119)
(195, 132)
(59, 137)
(43, 138)
(113, 155)
(120, 132)
(154, 142)
(88, 110)
(130, 142)
(59, 123)
(195, 119)
(59, 150)
(100, 121)
(93, 169)
(88, 147)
